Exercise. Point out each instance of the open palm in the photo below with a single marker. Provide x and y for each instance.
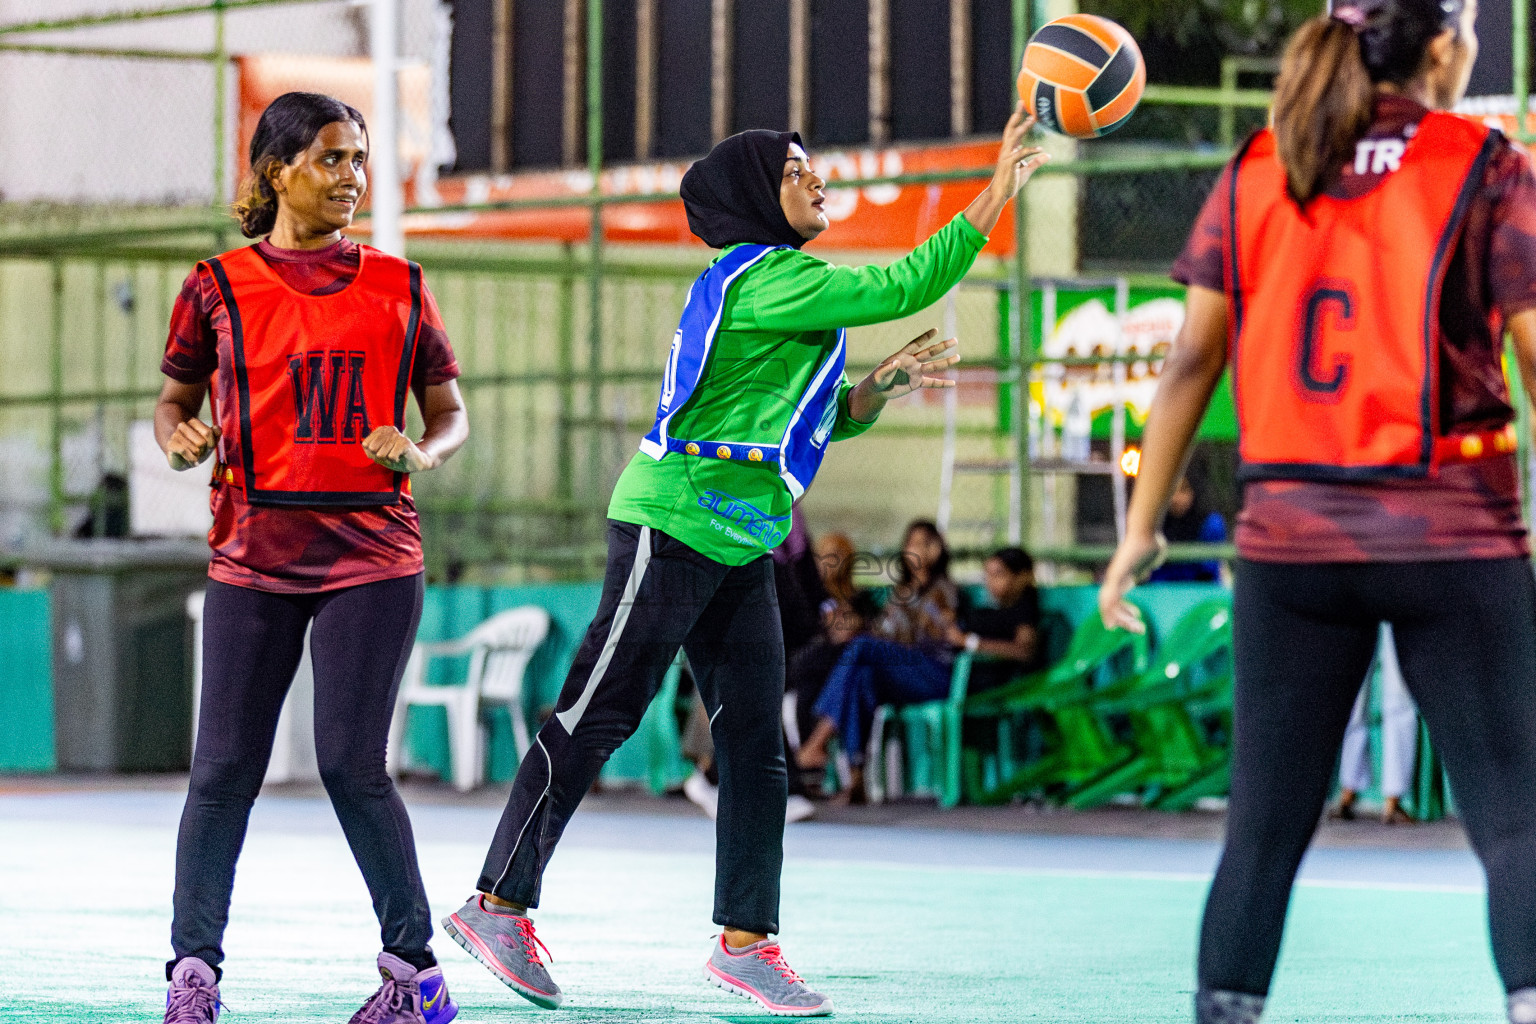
(911, 369)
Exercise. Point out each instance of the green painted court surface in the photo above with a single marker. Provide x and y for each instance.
(898, 924)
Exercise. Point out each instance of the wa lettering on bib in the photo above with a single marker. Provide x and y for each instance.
(314, 375)
(1334, 318)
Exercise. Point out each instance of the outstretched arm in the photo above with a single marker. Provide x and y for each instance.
(1190, 375)
(795, 291)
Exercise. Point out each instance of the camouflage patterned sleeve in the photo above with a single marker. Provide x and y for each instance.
(1201, 262)
(435, 361)
(1512, 248)
(191, 350)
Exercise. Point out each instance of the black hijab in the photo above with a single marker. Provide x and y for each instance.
(732, 195)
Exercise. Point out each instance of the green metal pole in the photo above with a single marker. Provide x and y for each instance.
(595, 242)
(220, 103)
(1521, 49)
(56, 436)
(1023, 350)
(1229, 82)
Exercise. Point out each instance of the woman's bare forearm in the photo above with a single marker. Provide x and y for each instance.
(447, 422)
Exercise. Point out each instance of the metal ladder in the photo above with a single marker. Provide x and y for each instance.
(1019, 463)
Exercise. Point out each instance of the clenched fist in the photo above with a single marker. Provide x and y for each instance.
(393, 450)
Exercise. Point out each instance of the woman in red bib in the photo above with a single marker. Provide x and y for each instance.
(310, 346)
(1357, 267)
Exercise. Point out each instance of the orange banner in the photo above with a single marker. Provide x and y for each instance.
(877, 217)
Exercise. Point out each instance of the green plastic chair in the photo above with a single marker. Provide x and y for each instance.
(933, 731)
(1171, 759)
(931, 742)
(1097, 659)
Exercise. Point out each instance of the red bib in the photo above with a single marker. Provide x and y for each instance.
(1335, 309)
(314, 374)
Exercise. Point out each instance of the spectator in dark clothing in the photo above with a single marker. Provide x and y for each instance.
(1190, 521)
(904, 659)
(1007, 634)
(797, 581)
(845, 612)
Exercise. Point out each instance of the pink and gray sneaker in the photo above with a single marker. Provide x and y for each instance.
(504, 942)
(194, 994)
(760, 973)
(408, 996)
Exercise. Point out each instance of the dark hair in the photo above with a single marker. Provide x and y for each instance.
(939, 570)
(1326, 93)
(1015, 560)
(287, 128)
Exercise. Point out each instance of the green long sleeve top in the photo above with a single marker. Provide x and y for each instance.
(778, 325)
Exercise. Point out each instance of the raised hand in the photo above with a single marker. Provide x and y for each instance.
(191, 444)
(393, 450)
(1016, 164)
(909, 370)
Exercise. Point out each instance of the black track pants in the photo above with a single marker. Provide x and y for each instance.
(252, 644)
(1466, 638)
(659, 594)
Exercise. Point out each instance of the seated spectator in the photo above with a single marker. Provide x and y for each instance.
(846, 612)
(1190, 522)
(1008, 633)
(798, 584)
(905, 659)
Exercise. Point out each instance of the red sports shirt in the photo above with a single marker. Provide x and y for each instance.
(1465, 511)
(300, 550)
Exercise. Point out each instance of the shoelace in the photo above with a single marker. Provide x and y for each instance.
(525, 930)
(773, 956)
(191, 1004)
(390, 999)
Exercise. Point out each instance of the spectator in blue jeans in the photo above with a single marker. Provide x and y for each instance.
(904, 659)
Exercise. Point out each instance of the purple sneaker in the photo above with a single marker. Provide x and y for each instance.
(408, 996)
(194, 994)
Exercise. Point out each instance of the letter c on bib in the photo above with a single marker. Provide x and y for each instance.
(1329, 301)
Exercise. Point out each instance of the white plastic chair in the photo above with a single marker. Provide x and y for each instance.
(499, 650)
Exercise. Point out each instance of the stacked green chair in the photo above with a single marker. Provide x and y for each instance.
(1098, 661)
(1173, 759)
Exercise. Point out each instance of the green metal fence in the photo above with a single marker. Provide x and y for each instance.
(561, 346)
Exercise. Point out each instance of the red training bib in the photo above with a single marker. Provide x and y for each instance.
(1335, 308)
(314, 375)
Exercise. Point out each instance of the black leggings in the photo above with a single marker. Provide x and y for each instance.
(659, 594)
(1305, 634)
(252, 644)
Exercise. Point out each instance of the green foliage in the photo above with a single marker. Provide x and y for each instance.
(1241, 26)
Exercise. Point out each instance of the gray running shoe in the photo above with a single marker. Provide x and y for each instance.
(760, 973)
(505, 943)
(194, 994)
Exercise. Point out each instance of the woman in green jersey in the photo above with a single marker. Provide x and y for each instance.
(753, 392)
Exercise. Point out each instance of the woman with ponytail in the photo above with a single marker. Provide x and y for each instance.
(307, 345)
(1358, 266)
